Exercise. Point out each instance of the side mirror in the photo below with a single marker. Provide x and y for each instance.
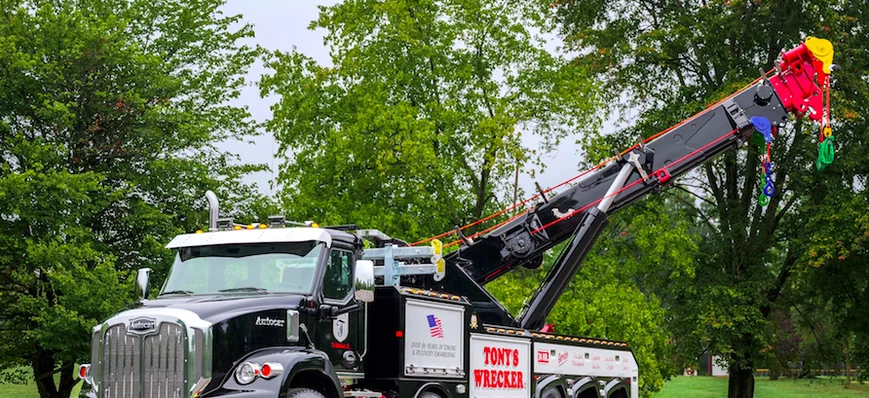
(365, 281)
(143, 283)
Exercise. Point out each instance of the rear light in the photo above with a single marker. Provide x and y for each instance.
(399, 334)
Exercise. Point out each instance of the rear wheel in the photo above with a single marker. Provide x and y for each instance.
(429, 394)
(620, 393)
(303, 393)
(551, 393)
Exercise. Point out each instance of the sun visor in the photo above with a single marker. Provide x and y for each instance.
(271, 235)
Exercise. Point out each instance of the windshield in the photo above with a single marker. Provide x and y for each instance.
(263, 268)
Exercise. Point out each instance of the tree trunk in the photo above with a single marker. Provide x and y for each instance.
(43, 372)
(67, 380)
(741, 383)
(847, 372)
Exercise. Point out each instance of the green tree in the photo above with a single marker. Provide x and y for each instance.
(419, 123)
(832, 291)
(109, 116)
(666, 61)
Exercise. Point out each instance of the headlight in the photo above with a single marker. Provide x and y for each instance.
(246, 373)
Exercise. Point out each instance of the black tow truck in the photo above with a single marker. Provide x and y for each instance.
(279, 310)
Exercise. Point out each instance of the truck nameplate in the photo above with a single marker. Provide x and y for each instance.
(265, 321)
(142, 325)
(500, 367)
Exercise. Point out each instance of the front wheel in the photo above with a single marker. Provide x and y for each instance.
(303, 393)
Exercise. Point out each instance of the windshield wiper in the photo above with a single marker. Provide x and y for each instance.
(244, 289)
(184, 292)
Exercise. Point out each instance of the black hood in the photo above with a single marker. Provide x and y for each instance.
(217, 308)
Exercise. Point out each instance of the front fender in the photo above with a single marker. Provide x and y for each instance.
(295, 360)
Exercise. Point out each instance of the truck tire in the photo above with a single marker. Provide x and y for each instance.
(303, 393)
(429, 394)
(551, 393)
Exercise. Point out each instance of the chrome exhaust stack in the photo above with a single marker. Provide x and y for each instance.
(213, 210)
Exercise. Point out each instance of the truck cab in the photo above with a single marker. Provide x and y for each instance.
(244, 310)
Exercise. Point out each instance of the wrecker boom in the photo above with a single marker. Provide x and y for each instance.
(580, 212)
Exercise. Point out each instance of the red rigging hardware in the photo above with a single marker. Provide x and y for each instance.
(293, 310)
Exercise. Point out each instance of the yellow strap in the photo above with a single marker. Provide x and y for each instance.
(438, 247)
(822, 49)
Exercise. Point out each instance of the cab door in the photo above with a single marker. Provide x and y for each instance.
(342, 336)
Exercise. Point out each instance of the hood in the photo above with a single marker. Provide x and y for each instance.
(217, 308)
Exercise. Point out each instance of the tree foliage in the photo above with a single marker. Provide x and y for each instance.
(419, 123)
(109, 116)
(667, 60)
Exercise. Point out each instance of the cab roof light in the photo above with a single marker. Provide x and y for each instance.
(277, 220)
(224, 224)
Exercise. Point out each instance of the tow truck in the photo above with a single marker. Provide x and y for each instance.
(301, 311)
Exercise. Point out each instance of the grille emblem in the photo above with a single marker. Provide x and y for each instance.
(142, 325)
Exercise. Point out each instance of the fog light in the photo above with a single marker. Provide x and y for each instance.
(246, 373)
(84, 373)
(271, 369)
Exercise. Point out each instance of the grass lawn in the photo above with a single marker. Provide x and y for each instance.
(698, 387)
(679, 387)
(29, 390)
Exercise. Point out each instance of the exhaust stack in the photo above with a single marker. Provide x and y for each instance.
(213, 210)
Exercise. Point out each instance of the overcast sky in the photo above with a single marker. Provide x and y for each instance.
(283, 25)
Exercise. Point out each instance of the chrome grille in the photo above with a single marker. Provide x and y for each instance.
(164, 362)
(119, 367)
(95, 349)
(149, 366)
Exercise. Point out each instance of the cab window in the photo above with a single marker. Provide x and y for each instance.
(338, 281)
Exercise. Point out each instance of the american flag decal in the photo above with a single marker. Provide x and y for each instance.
(435, 327)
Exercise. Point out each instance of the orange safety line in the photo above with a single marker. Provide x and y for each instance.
(487, 230)
(586, 207)
(717, 140)
(515, 205)
(698, 113)
(599, 165)
(639, 180)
